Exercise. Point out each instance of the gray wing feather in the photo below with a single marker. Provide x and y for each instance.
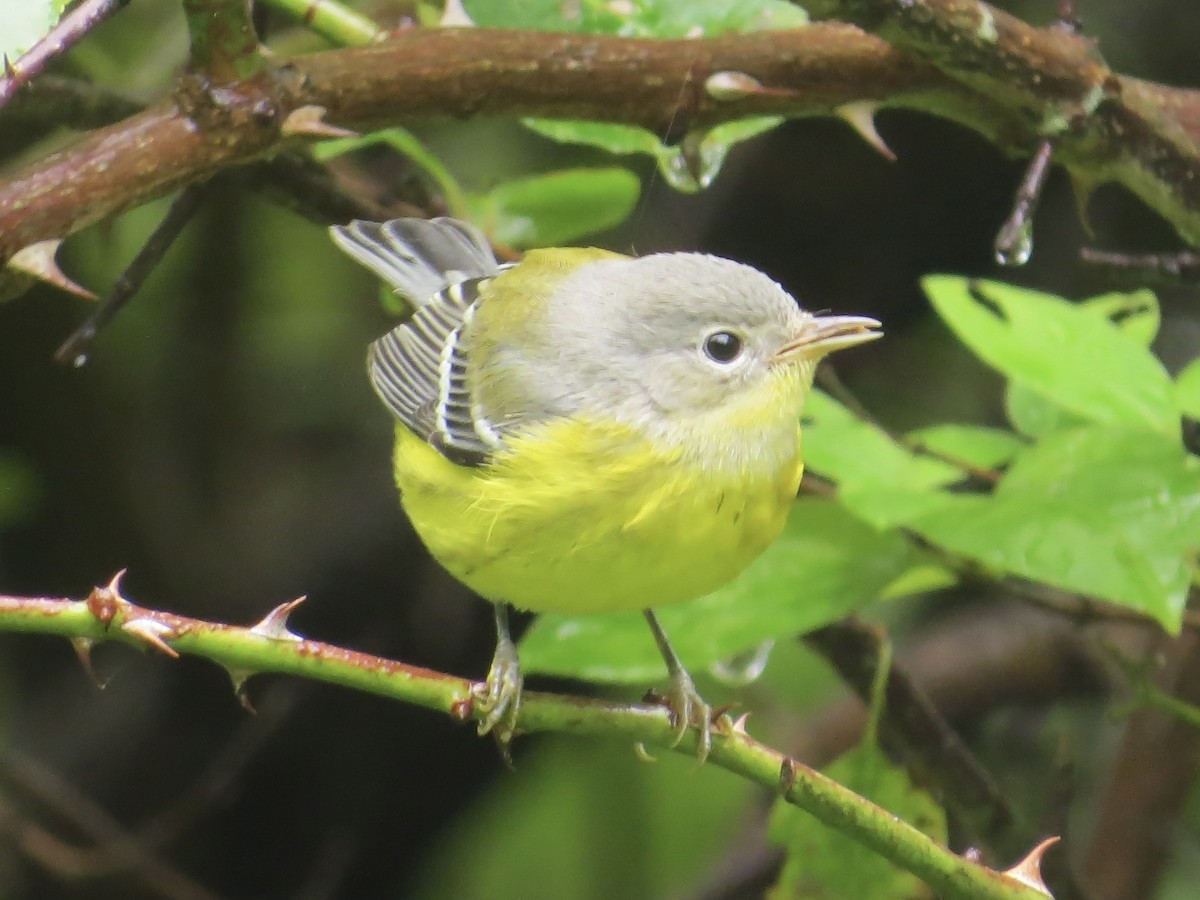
(419, 368)
(418, 257)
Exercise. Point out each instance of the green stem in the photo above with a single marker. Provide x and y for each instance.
(338, 24)
(224, 44)
(269, 647)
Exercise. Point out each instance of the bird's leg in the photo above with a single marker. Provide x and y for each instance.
(686, 705)
(500, 696)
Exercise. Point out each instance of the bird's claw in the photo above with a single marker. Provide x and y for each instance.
(499, 697)
(688, 709)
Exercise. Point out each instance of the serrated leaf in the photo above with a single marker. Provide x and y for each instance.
(821, 863)
(1111, 513)
(556, 208)
(1059, 350)
(825, 564)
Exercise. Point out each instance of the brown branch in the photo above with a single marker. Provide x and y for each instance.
(1107, 128)
(450, 72)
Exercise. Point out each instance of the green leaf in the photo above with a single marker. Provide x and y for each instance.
(1187, 390)
(975, 445)
(25, 22)
(825, 564)
(1060, 351)
(706, 150)
(824, 863)
(877, 478)
(556, 208)
(639, 18)
(694, 164)
(852, 452)
(1107, 512)
(1033, 415)
(1136, 314)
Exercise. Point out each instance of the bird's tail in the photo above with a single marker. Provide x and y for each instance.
(418, 257)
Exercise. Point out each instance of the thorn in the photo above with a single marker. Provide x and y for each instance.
(309, 121)
(860, 115)
(114, 584)
(9, 71)
(239, 677)
(105, 602)
(640, 751)
(739, 724)
(274, 623)
(83, 650)
(38, 260)
(1029, 870)
(731, 85)
(1081, 189)
(154, 633)
(455, 15)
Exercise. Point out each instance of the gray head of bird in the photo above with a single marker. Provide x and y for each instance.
(685, 335)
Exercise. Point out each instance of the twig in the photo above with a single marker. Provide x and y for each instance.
(269, 647)
(68, 32)
(1147, 268)
(75, 348)
(1014, 241)
(116, 847)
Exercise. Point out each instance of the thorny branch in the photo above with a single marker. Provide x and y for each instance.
(270, 647)
(1014, 84)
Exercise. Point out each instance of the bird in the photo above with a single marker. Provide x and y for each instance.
(585, 432)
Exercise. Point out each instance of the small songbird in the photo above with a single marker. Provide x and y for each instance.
(587, 432)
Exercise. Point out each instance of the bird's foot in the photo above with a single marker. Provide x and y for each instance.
(499, 697)
(689, 710)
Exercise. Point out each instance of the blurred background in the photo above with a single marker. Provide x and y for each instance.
(223, 444)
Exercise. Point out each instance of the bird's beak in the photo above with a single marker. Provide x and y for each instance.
(824, 334)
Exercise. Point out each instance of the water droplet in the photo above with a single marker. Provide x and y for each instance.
(745, 667)
(1014, 243)
(80, 361)
(693, 164)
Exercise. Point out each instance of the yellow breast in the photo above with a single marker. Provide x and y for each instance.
(573, 516)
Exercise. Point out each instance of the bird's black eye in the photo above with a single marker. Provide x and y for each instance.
(722, 346)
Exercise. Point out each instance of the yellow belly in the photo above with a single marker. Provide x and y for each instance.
(579, 519)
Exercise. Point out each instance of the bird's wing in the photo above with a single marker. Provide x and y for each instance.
(440, 266)
(418, 257)
(419, 370)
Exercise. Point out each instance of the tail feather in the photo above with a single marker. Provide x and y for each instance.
(418, 257)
